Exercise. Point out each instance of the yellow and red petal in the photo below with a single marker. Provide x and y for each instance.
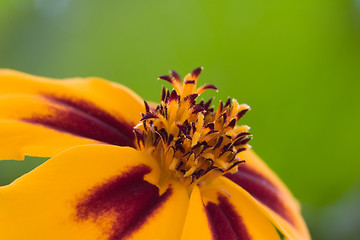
(222, 213)
(262, 184)
(84, 108)
(20, 139)
(196, 224)
(93, 192)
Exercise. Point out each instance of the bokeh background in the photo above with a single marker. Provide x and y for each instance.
(296, 63)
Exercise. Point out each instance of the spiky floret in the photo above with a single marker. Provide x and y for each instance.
(192, 140)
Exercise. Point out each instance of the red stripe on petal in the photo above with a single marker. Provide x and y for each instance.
(225, 222)
(128, 200)
(234, 219)
(84, 119)
(263, 190)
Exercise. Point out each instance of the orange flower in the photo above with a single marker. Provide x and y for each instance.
(186, 173)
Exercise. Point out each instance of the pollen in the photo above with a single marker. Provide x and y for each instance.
(191, 140)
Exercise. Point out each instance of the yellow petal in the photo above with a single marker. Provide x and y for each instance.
(88, 108)
(196, 224)
(167, 222)
(234, 214)
(93, 192)
(20, 139)
(258, 180)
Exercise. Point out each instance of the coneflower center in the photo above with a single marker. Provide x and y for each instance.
(191, 140)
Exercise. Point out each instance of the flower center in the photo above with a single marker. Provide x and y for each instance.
(192, 141)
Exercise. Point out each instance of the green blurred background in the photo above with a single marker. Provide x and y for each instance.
(296, 63)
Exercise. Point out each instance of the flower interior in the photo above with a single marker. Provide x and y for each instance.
(192, 141)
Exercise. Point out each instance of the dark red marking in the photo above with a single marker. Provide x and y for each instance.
(243, 141)
(83, 118)
(166, 78)
(241, 113)
(190, 82)
(218, 142)
(240, 150)
(184, 128)
(228, 102)
(232, 123)
(149, 115)
(167, 96)
(175, 75)
(224, 116)
(197, 108)
(235, 164)
(242, 134)
(147, 108)
(224, 221)
(209, 86)
(174, 96)
(163, 94)
(221, 106)
(191, 98)
(207, 104)
(128, 199)
(211, 131)
(261, 189)
(196, 72)
(210, 125)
